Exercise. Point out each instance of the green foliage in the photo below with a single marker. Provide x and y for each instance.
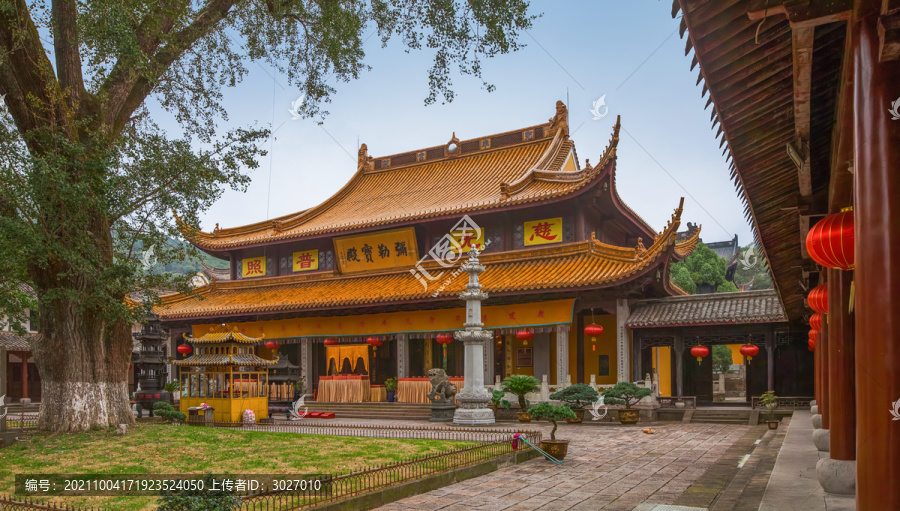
(520, 384)
(625, 393)
(768, 398)
(172, 386)
(578, 395)
(390, 384)
(681, 276)
(551, 413)
(200, 499)
(704, 266)
(166, 411)
(721, 358)
(726, 287)
(757, 275)
(497, 399)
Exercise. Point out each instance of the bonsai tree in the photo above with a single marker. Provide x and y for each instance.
(576, 396)
(552, 413)
(497, 399)
(625, 393)
(390, 384)
(166, 411)
(520, 384)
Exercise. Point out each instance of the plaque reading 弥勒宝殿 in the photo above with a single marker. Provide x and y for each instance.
(377, 251)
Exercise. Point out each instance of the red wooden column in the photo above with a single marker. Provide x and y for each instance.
(877, 274)
(840, 367)
(24, 374)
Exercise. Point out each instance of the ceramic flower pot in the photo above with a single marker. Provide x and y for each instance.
(556, 448)
(579, 416)
(524, 416)
(627, 416)
(772, 424)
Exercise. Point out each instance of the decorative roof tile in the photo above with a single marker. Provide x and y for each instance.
(216, 359)
(583, 264)
(708, 309)
(15, 342)
(222, 335)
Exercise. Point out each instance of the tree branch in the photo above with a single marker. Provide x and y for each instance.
(68, 56)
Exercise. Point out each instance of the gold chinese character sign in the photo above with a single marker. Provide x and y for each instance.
(306, 260)
(377, 251)
(253, 267)
(541, 232)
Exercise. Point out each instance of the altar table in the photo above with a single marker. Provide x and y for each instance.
(415, 390)
(343, 389)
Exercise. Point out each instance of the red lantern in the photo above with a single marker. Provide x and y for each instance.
(830, 241)
(524, 336)
(444, 338)
(818, 299)
(593, 331)
(812, 345)
(699, 352)
(749, 351)
(272, 345)
(184, 349)
(331, 342)
(374, 342)
(814, 335)
(815, 321)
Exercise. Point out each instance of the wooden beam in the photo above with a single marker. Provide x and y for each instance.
(802, 47)
(889, 34)
(802, 13)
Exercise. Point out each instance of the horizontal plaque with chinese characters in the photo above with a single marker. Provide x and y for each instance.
(540, 232)
(377, 251)
(306, 260)
(253, 267)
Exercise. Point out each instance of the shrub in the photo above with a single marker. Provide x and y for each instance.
(165, 410)
(172, 386)
(497, 399)
(205, 499)
(552, 413)
(625, 393)
(576, 396)
(390, 384)
(521, 384)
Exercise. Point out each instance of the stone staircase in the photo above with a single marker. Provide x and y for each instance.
(377, 410)
(721, 416)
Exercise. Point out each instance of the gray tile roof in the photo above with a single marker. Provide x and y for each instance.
(15, 342)
(708, 309)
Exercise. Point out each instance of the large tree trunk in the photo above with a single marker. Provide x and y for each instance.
(83, 362)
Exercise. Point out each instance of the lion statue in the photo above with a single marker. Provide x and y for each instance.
(442, 391)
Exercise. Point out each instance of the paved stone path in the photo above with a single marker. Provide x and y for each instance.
(608, 467)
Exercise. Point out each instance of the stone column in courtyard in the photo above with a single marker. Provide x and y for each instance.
(474, 398)
(876, 215)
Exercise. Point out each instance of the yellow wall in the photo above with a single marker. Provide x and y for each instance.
(663, 355)
(736, 356)
(606, 345)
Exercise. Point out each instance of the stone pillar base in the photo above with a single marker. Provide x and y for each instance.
(822, 439)
(817, 421)
(812, 403)
(473, 416)
(442, 412)
(837, 476)
(814, 410)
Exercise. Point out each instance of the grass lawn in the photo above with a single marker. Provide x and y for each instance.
(165, 449)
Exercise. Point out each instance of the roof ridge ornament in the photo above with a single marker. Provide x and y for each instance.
(364, 162)
(453, 149)
(560, 121)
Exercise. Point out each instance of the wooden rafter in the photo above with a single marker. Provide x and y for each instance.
(802, 13)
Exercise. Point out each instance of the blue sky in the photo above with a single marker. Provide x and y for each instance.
(629, 51)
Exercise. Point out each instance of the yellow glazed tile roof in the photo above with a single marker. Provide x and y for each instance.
(401, 188)
(216, 359)
(584, 264)
(222, 335)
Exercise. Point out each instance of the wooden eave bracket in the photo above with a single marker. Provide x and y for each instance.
(802, 13)
(889, 31)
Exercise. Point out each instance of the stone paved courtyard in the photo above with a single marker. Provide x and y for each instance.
(608, 467)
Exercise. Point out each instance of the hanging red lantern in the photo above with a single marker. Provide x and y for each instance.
(593, 331)
(272, 345)
(814, 335)
(184, 349)
(749, 350)
(524, 336)
(830, 241)
(331, 342)
(444, 338)
(812, 345)
(815, 321)
(374, 342)
(699, 352)
(818, 299)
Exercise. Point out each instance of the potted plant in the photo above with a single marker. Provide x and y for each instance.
(628, 394)
(576, 397)
(520, 385)
(497, 401)
(770, 401)
(553, 413)
(390, 385)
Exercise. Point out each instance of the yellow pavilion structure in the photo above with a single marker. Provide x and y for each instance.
(225, 373)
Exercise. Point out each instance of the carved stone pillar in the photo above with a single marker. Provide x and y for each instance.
(474, 397)
(306, 364)
(402, 356)
(562, 355)
(623, 350)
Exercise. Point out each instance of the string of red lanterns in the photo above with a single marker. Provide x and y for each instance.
(830, 241)
(815, 321)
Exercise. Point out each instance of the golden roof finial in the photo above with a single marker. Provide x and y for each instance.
(560, 121)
